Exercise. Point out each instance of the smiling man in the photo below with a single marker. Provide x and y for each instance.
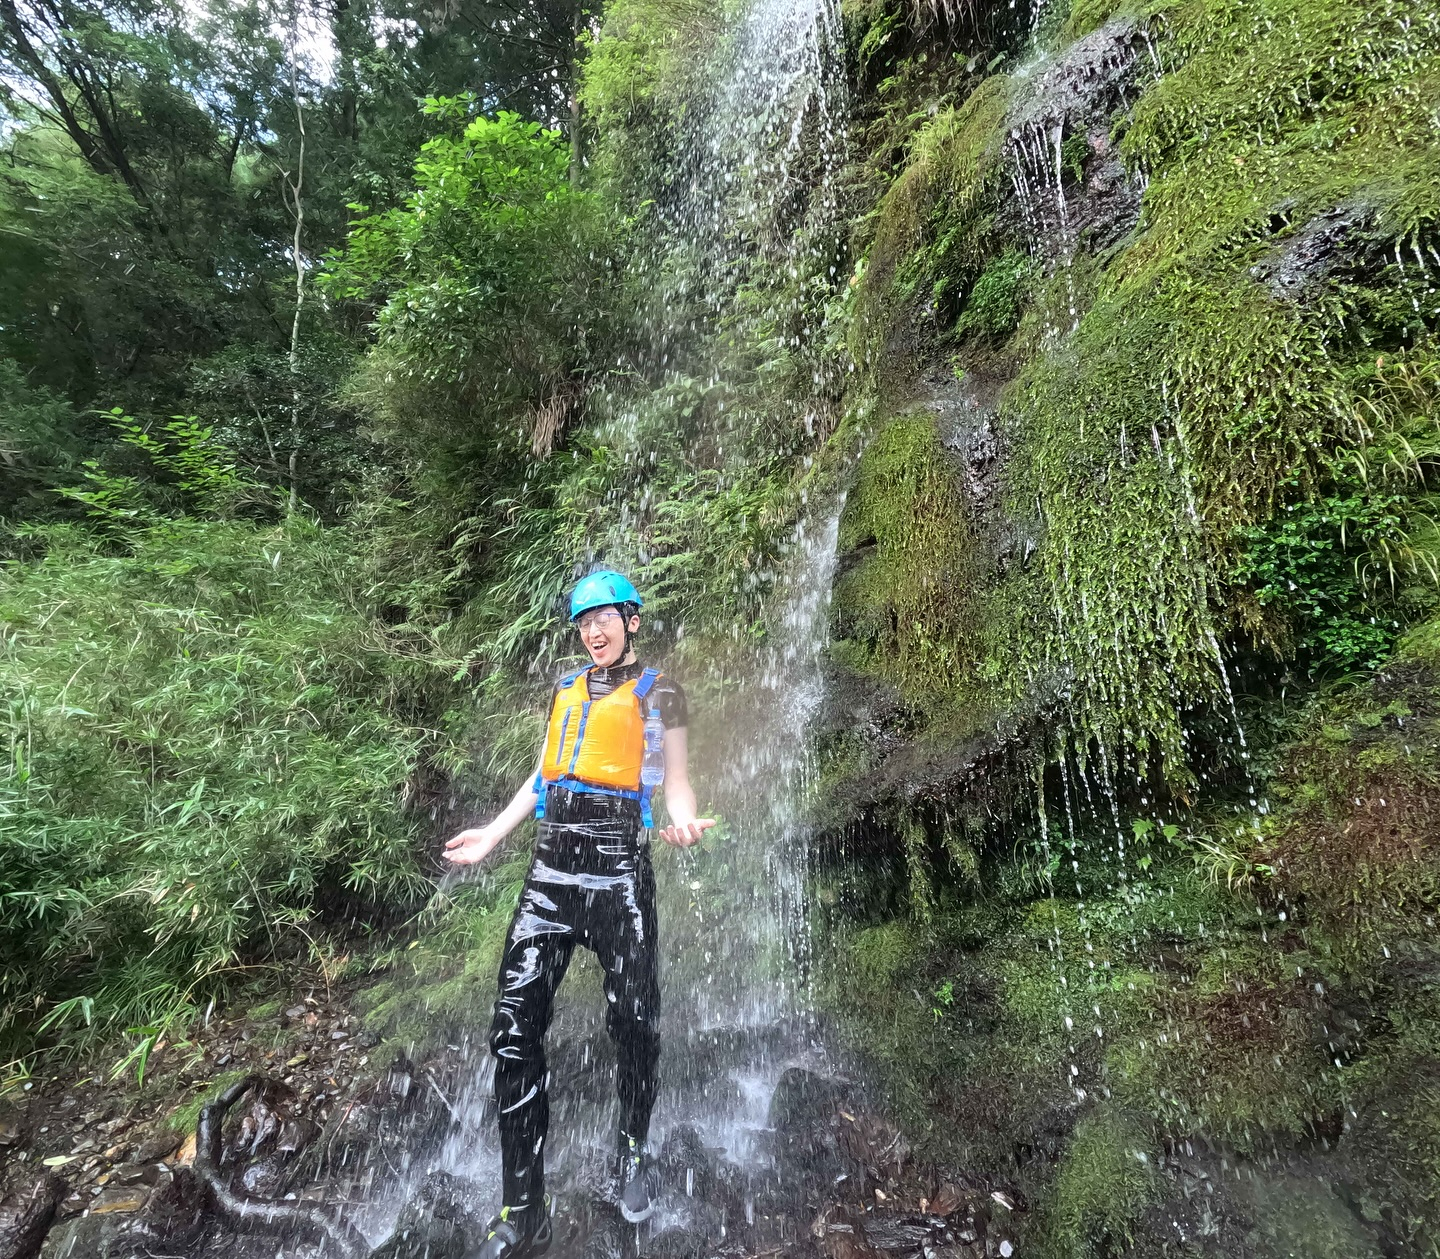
(616, 734)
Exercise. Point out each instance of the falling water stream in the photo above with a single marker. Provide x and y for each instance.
(766, 140)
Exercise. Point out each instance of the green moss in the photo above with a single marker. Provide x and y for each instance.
(1359, 794)
(1191, 405)
(1296, 1215)
(879, 954)
(1089, 15)
(1395, 1128)
(1189, 399)
(992, 307)
(934, 228)
(1108, 1177)
(901, 604)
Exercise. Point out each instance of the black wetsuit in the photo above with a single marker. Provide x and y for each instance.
(590, 883)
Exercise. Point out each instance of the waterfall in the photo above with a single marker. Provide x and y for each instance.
(762, 147)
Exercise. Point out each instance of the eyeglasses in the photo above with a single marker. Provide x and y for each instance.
(604, 618)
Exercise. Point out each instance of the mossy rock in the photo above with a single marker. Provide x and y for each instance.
(1107, 1178)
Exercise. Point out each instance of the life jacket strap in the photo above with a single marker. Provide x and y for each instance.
(643, 687)
(590, 789)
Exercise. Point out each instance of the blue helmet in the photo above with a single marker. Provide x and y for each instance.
(601, 589)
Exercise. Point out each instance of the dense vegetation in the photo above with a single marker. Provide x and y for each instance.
(1116, 323)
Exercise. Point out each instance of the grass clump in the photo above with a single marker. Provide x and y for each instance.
(183, 1118)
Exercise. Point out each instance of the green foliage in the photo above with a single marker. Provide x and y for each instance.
(1300, 562)
(197, 471)
(638, 64)
(209, 742)
(483, 281)
(40, 442)
(1344, 566)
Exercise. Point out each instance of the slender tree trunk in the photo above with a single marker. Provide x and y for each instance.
(295, 186)
(577, 149)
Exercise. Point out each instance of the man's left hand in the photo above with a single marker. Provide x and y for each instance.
(683, 834)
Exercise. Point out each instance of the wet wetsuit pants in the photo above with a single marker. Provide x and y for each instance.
(590, 883)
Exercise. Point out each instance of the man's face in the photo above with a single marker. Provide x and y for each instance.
(602, 630)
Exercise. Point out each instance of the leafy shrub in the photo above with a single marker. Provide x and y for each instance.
(1301, 562)
(482, 282)
(209, 742)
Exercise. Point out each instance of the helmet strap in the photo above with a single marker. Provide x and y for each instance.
(628, 610)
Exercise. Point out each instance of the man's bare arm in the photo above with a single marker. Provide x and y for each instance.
(475, 844)
(685, 828)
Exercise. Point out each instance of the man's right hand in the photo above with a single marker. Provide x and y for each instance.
(471, 846)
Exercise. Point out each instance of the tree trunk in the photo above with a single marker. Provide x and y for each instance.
(296, 186)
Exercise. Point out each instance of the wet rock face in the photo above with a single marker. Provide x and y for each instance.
(440, 1222)
(169, 1217)
(1070, 186)
(1331, 243)
(26, 1211)
(269, 1136)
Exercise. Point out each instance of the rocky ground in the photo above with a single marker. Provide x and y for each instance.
(313, 1134)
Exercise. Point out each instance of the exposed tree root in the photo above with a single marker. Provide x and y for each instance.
(309, 1220)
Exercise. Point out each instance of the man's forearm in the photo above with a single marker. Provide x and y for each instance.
(519, 808)
(680, 803)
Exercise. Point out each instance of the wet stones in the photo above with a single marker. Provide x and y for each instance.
(12, 1127)
(609, 1237)
(874, 1143)
(802, 1099)
(1337, 241)
(270, 1135)
(26, 1212)
(840, 1230)
(439, 1222)
(136, 1220)
(803, 1115)
(679, 1243)
(686, 1166)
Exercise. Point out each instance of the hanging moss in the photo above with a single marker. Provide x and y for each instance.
(935, 227)
(909, 575)
(1210, 376)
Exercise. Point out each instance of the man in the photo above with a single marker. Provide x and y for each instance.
(616, 732)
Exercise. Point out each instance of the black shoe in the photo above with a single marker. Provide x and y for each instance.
(639, 1184)
(509, 1235)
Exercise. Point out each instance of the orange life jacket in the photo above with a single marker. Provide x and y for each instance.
(598, 745)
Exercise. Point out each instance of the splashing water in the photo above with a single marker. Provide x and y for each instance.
(756, 192)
